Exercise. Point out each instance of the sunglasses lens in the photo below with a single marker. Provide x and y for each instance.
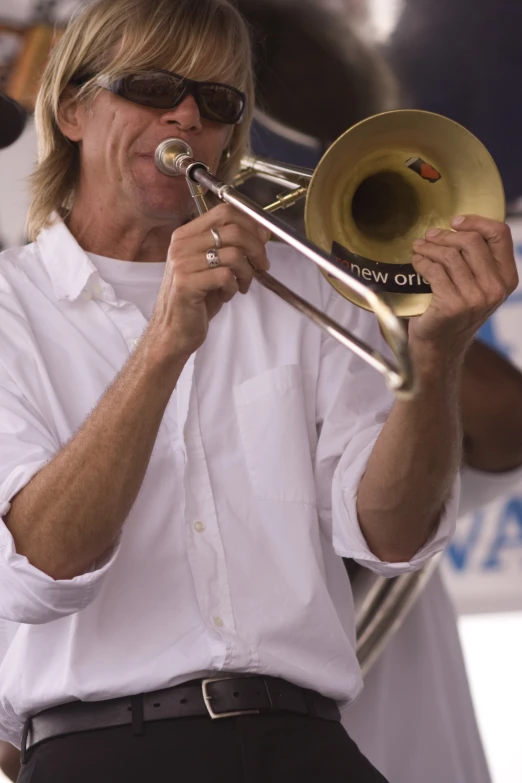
(217, 102)
(220, 103)
(159, 90)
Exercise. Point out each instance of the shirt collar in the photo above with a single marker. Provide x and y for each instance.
(69, 267)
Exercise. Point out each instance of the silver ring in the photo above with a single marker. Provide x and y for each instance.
(212, 258)
(217, 239)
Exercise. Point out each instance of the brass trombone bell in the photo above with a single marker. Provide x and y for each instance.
(383, 184)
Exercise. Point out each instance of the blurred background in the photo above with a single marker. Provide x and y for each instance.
(462, 59)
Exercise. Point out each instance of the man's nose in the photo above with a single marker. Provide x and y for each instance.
(185, 115)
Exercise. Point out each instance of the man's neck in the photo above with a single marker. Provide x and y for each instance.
(106, 232)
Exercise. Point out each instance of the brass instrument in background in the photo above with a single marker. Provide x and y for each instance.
(381, 185)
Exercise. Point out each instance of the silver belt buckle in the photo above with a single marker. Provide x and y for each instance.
(207, 699)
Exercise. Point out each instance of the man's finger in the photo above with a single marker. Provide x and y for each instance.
(499, 240)
(462, 274)
(453, 248)
(219, 216)
(434, 274)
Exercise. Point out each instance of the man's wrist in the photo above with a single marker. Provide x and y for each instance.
(161, 359)
(435, 364)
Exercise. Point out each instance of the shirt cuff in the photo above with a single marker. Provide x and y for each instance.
(28, 595)
(10, 730)
(348, 540)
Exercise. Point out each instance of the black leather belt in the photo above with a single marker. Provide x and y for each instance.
(217, 697)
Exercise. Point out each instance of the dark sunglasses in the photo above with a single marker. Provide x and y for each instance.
(165, 90)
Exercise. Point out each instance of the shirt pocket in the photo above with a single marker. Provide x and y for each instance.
(278, 435)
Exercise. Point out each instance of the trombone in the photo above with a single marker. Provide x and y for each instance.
(174, 157)
(385, 182)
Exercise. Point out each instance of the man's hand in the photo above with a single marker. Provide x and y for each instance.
(191, 293)
(471, 271)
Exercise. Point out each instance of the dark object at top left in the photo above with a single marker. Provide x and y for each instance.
(12, 120)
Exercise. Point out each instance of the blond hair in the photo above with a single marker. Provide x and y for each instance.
(201, 39)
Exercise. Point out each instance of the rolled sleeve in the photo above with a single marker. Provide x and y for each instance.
(353, 404)
(28, 595)
(347, 537)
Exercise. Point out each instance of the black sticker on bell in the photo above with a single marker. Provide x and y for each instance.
(393, 278)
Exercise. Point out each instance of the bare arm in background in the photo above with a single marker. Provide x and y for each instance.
(491, 400)
(9, 760)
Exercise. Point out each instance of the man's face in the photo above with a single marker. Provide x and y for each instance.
(117, 141)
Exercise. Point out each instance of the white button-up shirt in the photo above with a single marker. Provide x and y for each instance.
(229, 559)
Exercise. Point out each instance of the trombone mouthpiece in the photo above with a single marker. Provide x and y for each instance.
(170, 154)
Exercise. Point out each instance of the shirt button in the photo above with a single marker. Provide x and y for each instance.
(199, 527)
(86, 294)
(218, 622)
(97, 289)
(136, 341)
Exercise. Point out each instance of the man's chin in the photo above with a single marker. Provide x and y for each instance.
(166, 199)
(166, 210)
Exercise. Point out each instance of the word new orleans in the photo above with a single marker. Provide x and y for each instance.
(378, 276)
(394, 278)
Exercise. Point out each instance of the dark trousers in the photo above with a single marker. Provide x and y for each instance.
(249, 749)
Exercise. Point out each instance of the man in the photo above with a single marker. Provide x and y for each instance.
(181, 468)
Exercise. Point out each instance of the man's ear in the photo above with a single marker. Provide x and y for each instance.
(71, 115)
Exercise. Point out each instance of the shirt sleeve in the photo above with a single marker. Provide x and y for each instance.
(479, 488)
(27, 595)
(353, 403)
